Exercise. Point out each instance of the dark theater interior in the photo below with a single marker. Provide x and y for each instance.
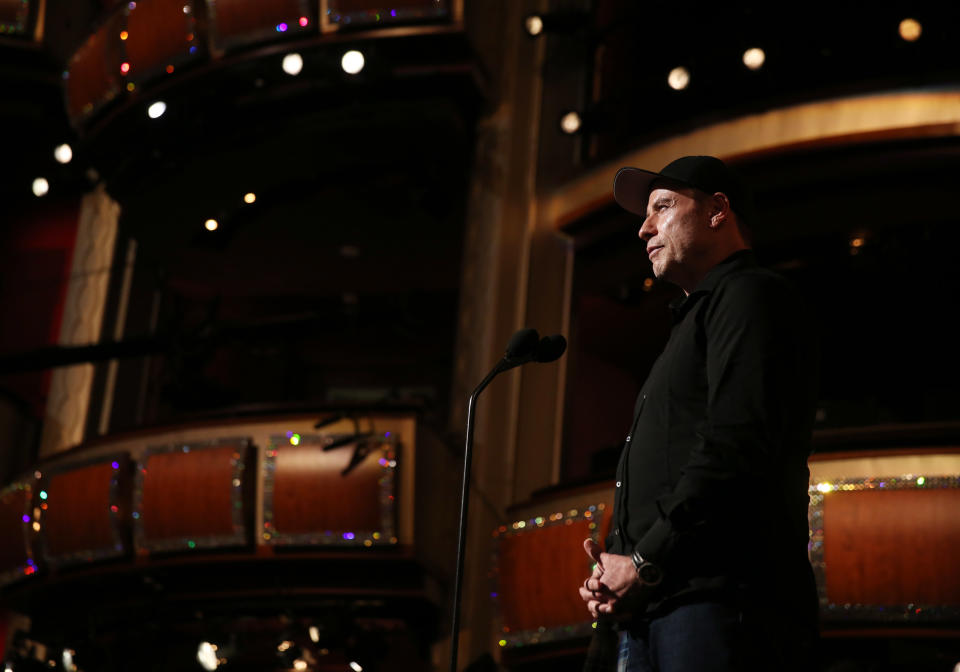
(255, 255)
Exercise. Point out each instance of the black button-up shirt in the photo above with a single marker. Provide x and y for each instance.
(712, 482)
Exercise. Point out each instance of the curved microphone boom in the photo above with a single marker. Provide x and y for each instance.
(524, 346)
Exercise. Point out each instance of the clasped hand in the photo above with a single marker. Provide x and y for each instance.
(614, 576)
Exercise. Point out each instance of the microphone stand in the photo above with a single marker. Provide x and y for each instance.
(525, 346)
(464, 502)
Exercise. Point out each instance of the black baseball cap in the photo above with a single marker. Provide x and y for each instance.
(632, 186)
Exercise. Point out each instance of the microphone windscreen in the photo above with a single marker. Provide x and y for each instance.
(523, 343)
(550, 348)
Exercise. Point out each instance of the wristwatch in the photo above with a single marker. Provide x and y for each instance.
(648, 573)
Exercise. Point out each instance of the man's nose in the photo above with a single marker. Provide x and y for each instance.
(646, 230)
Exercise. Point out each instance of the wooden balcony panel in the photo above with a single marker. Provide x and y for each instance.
(378, 12)
(94, 71)
(885, 536)
(16, 558)
(192, 496)
(84, 511)
(14, 14)
(238, 22)
(892, 547)
(539, 570)
(159, 34)
(308, 499)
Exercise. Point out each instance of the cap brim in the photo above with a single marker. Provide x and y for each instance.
(631, 189)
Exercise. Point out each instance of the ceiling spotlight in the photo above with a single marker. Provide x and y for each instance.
(910, 30)
(533, 25)
(40, 187)
(292, 64)
(211, 225)
(63, 153)
(207, 656)
(156, 110)
(352, 62)
(678, 78)
(249, 197)
(754, 58)
(355, 666)
(570, 123)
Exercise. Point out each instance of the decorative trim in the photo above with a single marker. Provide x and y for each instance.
(91, 555)
(509, 639)
(29, 519)
(236, 538)
(904, 613)
(388, 445)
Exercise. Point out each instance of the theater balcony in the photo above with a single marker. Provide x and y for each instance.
(267, 537)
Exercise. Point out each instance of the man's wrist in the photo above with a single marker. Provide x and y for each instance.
(648, 573)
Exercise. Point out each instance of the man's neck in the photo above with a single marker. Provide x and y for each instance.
(690, 283)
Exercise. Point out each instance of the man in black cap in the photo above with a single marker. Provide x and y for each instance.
(706, 567)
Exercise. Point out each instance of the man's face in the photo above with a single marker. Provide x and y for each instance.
(675, 232)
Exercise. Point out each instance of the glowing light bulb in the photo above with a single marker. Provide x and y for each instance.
(40, 187)
(314, 634)
(910, 30)
(124, 68)
(63, 153)
(355, 666)
(124, 34)
(211, 225)
(304, 21)
(207, 656)
(156, 110)
(533, 25)
(570, 123)
(249, 197)
(754, 58)
(678, 78)
(352, 62)
(292, 64)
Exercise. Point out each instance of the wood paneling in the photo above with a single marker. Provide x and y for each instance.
(160, 33)
(13, 505)
(94, 70)
(310, 495)
(78, 517)
(242, 21)
(13, 12)
(540, 572)
(188, 494)
(892, 547)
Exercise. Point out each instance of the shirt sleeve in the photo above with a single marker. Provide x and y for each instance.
(755, 371)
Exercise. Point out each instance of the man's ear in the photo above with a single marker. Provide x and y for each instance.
(719, 210)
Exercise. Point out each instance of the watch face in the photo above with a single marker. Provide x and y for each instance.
(650, 574)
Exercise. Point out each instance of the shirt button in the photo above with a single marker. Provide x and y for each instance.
(618, 484)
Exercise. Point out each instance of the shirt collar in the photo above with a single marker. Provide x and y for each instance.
(738, 260)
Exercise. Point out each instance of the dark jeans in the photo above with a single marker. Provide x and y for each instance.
(714, 637)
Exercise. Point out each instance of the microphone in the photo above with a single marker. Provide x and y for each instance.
(522, 343)
(550, 348)
(527, 346)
